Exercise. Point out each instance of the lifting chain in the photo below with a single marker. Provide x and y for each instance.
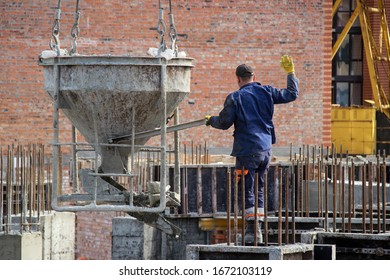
(172, 29)
(161, 30)
(55, 40)
(75, 29)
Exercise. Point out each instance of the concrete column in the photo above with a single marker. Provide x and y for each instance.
(26, 246)
(134, 240)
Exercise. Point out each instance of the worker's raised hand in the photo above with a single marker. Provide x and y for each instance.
(287, 63)
(207, 118)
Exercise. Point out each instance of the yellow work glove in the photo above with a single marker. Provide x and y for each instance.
(287, 63)
(207, 118)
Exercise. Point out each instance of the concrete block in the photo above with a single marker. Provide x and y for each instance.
(59, 235)
(26, 246)
(134, 240)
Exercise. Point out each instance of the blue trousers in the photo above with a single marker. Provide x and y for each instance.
(254, 164)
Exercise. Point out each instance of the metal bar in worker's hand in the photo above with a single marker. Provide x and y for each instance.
(157, 131)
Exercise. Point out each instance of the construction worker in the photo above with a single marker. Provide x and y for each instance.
(251, 109)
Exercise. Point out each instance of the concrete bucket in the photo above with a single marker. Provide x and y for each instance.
(106, 97)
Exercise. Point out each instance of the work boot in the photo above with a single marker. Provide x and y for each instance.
(250, 233)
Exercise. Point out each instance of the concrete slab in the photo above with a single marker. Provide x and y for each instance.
(224, 252)
(352, 246)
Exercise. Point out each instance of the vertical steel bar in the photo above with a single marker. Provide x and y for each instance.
(243, 219)
(378, 193)
(334, 195)
(74, 160)
(17, 180)
(56, 99)
(343, 198)
(280, 215)
(319, 187)
(196, 154)
(384, 193)
(214, 192)
(185, 191)
(192, 152)
(314, 162)
(39, 181)
(228, 206)
(1, 190)
(370, 193)
(293, 201)
(185, 153)
(176, 170)
(286, 205)
(326, 198)
(256, 190)
(163, 175)
(199, 190)
(353, 189)
(9, 190)
(235, 208)
(364, 199)
(349, 199)
(299, 188)
(265, 191)
(307, 192)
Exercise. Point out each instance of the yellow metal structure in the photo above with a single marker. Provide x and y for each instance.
(377, 50)
(354, 129)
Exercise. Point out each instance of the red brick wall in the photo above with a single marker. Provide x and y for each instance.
(220, 35)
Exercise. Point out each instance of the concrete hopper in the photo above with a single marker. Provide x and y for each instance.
(99, 93)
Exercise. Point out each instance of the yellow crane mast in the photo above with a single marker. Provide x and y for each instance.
(377, 48)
